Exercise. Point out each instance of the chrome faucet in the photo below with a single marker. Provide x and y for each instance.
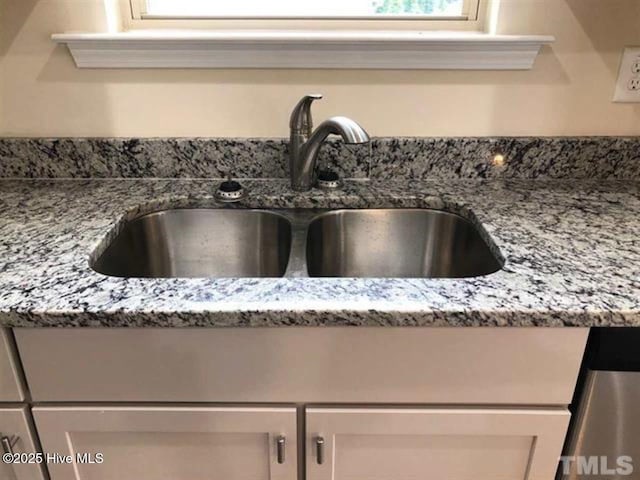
(305, 142)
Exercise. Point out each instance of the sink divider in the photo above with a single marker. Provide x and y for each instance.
(300, 221)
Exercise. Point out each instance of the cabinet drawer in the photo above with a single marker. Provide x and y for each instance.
(15, 424)
(456, 444)
(304, 365)
(169, 443)
(10, 383)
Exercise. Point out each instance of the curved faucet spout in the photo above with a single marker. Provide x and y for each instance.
(303, 162)
(350, 131)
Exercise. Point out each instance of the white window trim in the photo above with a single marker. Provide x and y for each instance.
(277, 47)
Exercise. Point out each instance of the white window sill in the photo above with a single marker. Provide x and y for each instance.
(303, 49)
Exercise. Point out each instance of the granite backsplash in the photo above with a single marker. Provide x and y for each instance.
(606, 158)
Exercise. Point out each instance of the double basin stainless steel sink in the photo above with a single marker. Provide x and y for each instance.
(371, 243)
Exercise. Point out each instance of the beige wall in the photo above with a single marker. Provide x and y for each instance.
(568, 93)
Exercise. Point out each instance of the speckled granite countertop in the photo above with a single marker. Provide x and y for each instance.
(572, 252)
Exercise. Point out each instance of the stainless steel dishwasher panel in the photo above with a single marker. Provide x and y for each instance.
(605, 440)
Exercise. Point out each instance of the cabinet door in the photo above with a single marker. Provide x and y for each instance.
(452, 444)
(170, 443)
(16, 428)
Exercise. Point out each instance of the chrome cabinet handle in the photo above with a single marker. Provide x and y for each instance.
(8, 443)
(320, 450)
(281, 442)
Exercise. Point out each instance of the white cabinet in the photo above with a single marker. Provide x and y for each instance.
(15, 429)
(201, 443)
(171, 443)
(497, 374)
(439, 443)
(482, 366)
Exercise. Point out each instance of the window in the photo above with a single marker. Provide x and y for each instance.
(330, 9)
(441, 11)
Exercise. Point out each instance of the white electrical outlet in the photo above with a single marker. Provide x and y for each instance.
(634, 84)
(628, 87)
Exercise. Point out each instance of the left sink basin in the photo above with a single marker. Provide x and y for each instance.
(199, 243)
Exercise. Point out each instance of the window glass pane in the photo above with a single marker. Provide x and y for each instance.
(305, 8)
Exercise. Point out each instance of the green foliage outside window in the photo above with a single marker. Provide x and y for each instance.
(421, 7)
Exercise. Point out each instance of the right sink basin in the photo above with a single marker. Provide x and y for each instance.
(405, 243)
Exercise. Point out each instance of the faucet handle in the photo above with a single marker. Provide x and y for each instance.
(301, 120)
